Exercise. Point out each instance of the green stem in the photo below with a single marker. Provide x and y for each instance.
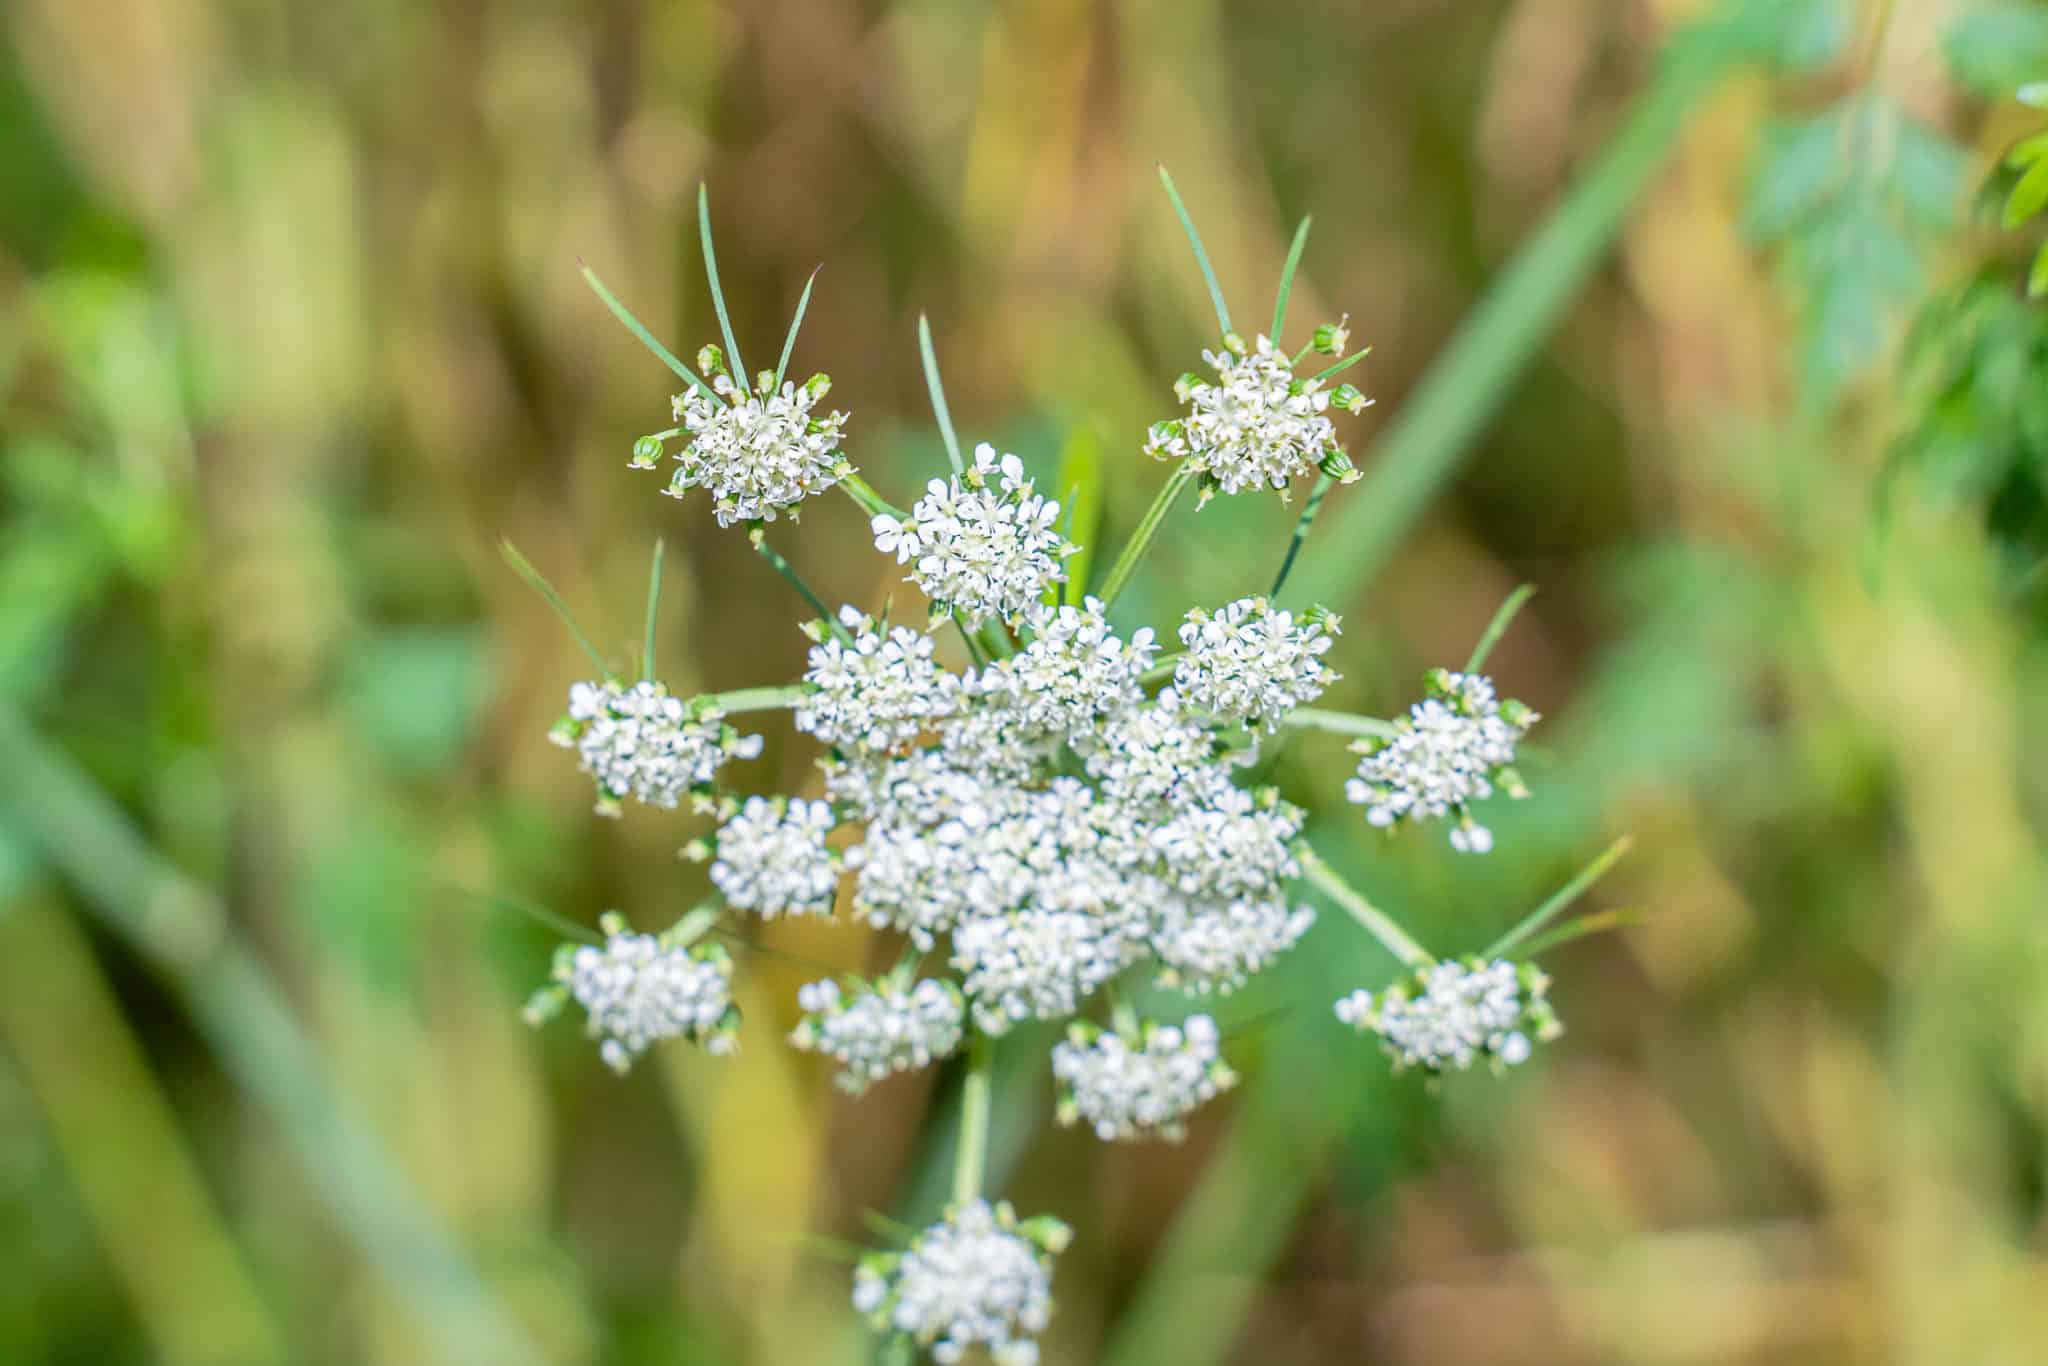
(653, 610)
(1162, 668)
(794, 580)
(970, 1158)
(1498, 627)
(1141, 539)
(1341, 366)
(1324, 483)
(1563, 897)
(1340, 723)
(774, 697)
(1391, 937)
(864, 493)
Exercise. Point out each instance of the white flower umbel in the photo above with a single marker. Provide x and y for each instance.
(756, 453)
(1255, 425)
(1142, 1088)
(1208, 944)
(978, 1278)
(877, 689)
(891, 1026)
(982, 544)
(1454, 748)
(639, 989)
(1448, 1014)
(1038, 962)
(1153, 756)
(1251, 663)
(772, 858)
(1234, 844)
(1074, 671)
(640, 742)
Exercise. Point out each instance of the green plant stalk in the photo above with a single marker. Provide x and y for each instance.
(1498, 627)
(182, 930)
(1560, 899)
(1435, 428)
(1324, 483)
(771, 697)
(1340, 723)
(862, 492)
(653, 610)
(977, 1096)
(794, 580)
(1377, 923)
(1148, 527)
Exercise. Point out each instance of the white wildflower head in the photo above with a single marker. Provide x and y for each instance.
(1448, 1014)
(875, 687)
(980, 1277)
(757, 452)
(1237, 843)
(982, 544)
(639, 989)
(1143, 1086)
(1252, 663)
(1454, 748)
(1153, 756)
(772, 858)
(640, 742)
(1075, 671)
(1214, 944)
(1255, 425)
(877, 1030)
(1038, 962)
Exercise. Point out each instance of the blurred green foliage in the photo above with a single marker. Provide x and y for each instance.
(291, 332)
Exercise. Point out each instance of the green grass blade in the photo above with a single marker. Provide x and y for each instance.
(639, 330)
(1498, 627)
(1560, 899)
(1287, 280)
(1201, 256)
(733, 362)
(653, 610)
(789, 343)
(523, 567)
(1080, 475)
(938, 392)
(1436, 427)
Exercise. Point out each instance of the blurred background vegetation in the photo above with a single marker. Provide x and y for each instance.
(291, 332)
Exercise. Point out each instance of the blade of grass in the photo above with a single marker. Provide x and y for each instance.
(1080, 475)
(732, 345)
(183, 930)
(1560, 899)
(1287, 280)
(523, 567)
(1201, 256)
(653, 610)
(639, 330)
(1593, 922)
(1498, 627)
(803, 303)
(938, 392)
(1465, 388)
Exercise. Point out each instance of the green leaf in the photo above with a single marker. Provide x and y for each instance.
(1080, 480)
(1997, 49)
(2037, 278)
(1804, 164)
(2028, 150)
(2027, 197)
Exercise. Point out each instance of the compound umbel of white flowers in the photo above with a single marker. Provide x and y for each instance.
(1066, 811)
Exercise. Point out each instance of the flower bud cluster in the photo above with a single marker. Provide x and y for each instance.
(772, 858)
(758, 451)
(640, 988)
(1451, 1013)
(880, 1029)
(1139, 1087)
(875, 687)
(1254, 426)
(980, 1277)
(982, 544)
(1452, 749)
(640, 742)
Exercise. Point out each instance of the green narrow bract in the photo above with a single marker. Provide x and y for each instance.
(523, 567)
(732, 345)
(1559, 900)
(653, 610)
(1080, 476)
(1498, 627)
(1201, 256)
(639, 330)
(789, 343)
(1287, 280)
(938, 392)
